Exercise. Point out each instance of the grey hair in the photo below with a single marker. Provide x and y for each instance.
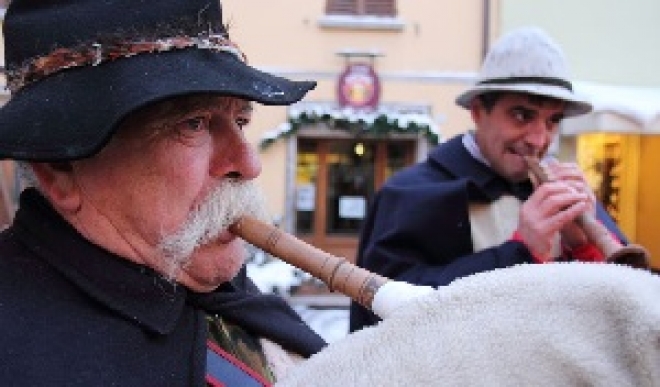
(26, 175)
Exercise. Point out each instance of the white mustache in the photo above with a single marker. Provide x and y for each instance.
(222, 207)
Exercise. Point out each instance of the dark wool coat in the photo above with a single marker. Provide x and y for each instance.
(73, 314)
(418, 228)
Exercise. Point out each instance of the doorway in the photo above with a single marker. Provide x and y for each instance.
(335, 183)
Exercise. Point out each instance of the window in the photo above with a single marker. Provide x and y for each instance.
(361, 7)
(361, 15)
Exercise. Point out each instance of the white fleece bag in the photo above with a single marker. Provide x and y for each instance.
(569, 324)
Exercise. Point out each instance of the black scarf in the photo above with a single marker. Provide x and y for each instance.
(115, 282)
(266, 315)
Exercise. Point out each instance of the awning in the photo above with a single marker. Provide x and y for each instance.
(617, 109)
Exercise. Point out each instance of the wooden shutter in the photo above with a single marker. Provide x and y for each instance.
(361, 7)
(341, 7)
(380, 7)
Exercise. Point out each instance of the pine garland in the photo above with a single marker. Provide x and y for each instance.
(379, 123)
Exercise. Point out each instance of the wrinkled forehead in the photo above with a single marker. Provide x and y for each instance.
(171, 109)
(183, 105)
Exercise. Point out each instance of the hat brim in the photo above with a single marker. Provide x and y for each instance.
(576, 105)
(72, 114)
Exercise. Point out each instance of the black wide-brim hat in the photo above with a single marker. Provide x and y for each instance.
(72, 112)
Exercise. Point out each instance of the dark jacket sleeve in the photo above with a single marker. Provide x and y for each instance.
(418, 231)
(421, 235)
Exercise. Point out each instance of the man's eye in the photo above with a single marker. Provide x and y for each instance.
(193, 124)
(522, 115)
(556, 119)
(193, 130)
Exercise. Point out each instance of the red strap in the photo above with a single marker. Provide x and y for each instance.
(587, 253)
(217, 361)
(516, 237)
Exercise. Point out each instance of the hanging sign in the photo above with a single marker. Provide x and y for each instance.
(358, 87)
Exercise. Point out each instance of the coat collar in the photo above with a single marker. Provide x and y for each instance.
(134, 291)
(454, 158)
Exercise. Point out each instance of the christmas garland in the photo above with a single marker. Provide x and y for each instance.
(376, 123)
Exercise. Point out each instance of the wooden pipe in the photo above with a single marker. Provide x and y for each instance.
(337, 273)
(597, 234)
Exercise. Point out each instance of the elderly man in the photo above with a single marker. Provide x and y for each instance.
(471, 206)
(118, 269)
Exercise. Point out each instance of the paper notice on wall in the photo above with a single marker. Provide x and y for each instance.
(352, 207)
(305, 197)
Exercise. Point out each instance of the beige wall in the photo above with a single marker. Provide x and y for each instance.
(438, 35)
(610, 41)
(429, 61)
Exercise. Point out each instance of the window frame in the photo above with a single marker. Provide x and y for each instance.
(360, 18)
(380, 8)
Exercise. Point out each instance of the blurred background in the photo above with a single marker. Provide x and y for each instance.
(388, 72)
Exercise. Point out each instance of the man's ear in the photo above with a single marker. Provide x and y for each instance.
(57, 182)
(476, 109)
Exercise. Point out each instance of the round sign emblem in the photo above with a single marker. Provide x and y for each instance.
(358, 86)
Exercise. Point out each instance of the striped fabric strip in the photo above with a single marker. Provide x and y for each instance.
(224, 370)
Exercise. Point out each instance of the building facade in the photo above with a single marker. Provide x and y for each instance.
(324, 161)
(388, 72)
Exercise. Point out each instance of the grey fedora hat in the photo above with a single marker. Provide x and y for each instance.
(527, 60)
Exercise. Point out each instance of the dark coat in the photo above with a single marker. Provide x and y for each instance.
(418, 231)
(73, 314)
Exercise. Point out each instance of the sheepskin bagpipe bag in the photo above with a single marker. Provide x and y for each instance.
(564, 324)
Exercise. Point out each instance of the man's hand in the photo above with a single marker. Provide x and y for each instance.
(552, 208)
(569, 173)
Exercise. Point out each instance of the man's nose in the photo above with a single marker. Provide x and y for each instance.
(538, 134)
(235, 158)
